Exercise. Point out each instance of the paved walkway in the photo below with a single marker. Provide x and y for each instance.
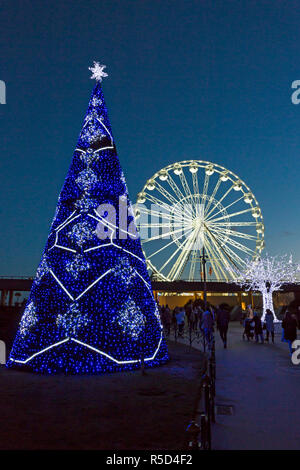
(263, 386)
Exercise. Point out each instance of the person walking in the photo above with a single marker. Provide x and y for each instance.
(166, 319)
(193, 318)
(249, 324)
(188, 311)
(207, 325)
(289, 325)
(180, 320)
(199, 314)
(258, 330)
(223, 318)
(269, 322)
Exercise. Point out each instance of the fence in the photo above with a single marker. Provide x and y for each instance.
(198, 432)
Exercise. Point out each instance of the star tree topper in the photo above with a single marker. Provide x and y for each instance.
(98, 72)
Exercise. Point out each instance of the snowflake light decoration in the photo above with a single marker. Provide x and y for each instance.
(89, 156)
(130, 319)
(96, 101)
(98, 71)
(124, 271)
(77, 265)
(72, 320)
(84, 204)
(81, 233)
(86, 179)
(92, 132)
(29, 319)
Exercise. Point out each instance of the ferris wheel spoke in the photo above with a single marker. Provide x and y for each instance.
(186, 189)
(235, 224)
(238, 261)
(187, 209)
(161, 249)
(196, 196)
(220, 200)
(153, 213)
(212, 197)
(164, 235)
(234, 214)
(182, 257)
(239, 246)
(165, 193)
(224, 209)
(172, 256)
(213, 257)
(204, 192)
(232, 233)
(193, 262)
(160, 203)
(227, 249)
(219, 243)
(220, 255)
(175, 188)
(158, 225)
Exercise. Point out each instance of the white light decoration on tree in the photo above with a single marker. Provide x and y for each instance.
(131, 319)
(81, 233)
(96, 101)
(267, 275)
(72, 320)
(98, 72)
(89, 157)
(77, 265)
(84, 204)
(92, 133)
(86, 179)
(29, 319)
(124, 271)
(42, 270)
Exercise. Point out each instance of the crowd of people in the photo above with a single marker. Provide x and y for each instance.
(195, 317)
(254, 327)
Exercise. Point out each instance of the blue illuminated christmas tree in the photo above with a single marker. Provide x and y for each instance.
(91, 308)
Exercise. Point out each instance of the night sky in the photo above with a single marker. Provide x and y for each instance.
(187, 79)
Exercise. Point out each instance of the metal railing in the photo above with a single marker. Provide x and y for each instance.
(198, 436)
(188, 333)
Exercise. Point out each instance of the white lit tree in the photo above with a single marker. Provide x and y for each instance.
(267, 275)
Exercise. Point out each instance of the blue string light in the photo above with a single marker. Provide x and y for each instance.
(91, 308)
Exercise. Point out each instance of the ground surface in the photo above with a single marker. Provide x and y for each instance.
(263, 386)
(114, 411)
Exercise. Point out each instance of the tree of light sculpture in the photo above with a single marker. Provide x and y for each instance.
(267, 275)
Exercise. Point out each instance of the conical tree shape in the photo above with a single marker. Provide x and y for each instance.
(91, 308)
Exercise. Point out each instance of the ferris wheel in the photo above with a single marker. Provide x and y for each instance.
(194, 209)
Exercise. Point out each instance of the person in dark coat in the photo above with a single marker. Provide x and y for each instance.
(248, 324)
(258, 329)
(269, 322)
(223, 318)
(166, 319)
(289, 325)
(207, 325)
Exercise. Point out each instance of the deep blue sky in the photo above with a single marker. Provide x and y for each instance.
(187, 79)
